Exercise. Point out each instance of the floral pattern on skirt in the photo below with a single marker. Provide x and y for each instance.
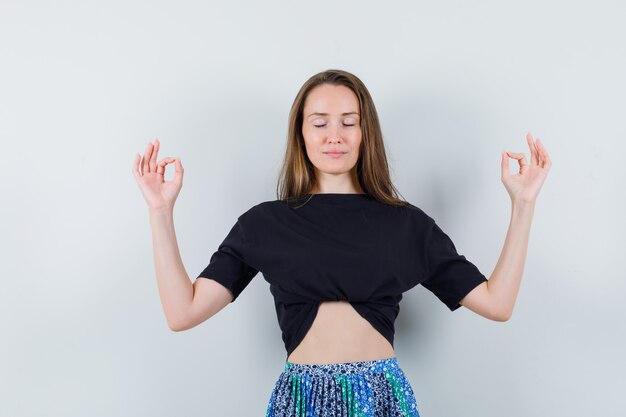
(376, 388)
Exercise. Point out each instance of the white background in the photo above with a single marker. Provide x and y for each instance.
(85, 85)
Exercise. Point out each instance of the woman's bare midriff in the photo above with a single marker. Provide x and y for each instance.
(340, 334)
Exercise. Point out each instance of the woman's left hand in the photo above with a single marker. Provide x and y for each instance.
(525, 186)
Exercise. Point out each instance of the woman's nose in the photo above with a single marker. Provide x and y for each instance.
(334, 133)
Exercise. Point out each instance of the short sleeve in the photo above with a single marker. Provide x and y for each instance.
(228, 265)
(450, 275)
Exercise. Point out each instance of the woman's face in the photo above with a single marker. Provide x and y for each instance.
(331, 128)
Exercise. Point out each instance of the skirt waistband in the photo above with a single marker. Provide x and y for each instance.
(343, 368)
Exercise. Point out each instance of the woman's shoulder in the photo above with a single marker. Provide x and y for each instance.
(417, 211)
(262, 209)
(417, 216)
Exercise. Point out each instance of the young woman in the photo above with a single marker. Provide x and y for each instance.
(338, 247)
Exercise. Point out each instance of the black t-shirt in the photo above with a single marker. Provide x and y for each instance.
(340, 247)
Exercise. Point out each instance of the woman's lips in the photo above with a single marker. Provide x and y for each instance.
(335, 154)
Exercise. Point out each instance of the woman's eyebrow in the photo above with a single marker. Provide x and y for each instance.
(326, 114)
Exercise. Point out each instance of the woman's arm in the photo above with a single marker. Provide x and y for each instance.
(495, 298)
(175, 289)
(185, 305)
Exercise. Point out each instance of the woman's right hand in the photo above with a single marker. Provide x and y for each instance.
(159, 194)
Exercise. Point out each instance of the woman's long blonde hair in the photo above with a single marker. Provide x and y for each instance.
(297, 176)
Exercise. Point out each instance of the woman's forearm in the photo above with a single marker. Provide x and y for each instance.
(175, 288)
(505, 280)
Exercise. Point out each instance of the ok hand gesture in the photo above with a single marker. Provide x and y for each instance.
(525, 186)
(159, 194)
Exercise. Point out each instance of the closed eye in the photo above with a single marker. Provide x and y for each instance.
(325, 125)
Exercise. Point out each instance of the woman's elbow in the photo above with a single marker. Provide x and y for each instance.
(501, 316)
(179, 325)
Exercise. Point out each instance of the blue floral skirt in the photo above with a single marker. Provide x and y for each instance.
(376, 388)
